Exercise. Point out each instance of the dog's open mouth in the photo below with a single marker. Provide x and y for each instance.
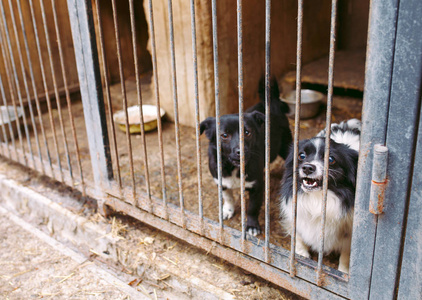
(311, 184)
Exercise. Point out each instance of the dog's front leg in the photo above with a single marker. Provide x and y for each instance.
(228, 206)
(256, 196)
(344, 260)
(301, 247)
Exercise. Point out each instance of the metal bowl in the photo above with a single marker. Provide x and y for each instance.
(310, 103)
(8, 121)
(150, 118)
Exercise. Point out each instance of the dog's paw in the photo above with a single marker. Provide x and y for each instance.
(343, 268)
(303, 252)
(228, 211)
(253, 231)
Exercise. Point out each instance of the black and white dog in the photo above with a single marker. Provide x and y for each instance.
(254, 141)
(343, 161)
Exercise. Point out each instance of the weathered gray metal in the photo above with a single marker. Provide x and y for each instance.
(378, 73)
(403, 119)
(83, 33)
(411, 278)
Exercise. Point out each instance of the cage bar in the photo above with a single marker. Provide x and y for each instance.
(37, 102)
(157, 99)
(47, 95)
(197, 118)
(296, 135)
(320, 274)
(176, 112)
(107, 91)
(124, 97)
(28, 95)
(267, 254)
(56, 91)
(217, 115)
(139, 94)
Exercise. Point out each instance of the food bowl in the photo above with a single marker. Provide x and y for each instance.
(8, 118)
(134, 120)
(310, 103)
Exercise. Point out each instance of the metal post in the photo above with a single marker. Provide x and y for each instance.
(83, 33)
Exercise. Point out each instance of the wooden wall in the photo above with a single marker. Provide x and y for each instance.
(316, 44)
(66, 39)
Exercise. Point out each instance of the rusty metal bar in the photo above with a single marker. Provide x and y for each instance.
(124, 97)
(197, 118)
(66, 88)
(157, 97)
(320, 274)
(53, 75)
(3, 95)
(6, 140)
(28, 96)
(296, 136)
(47, 95)
(241, 120)
(16, 79)
(107, 89)
(37, 100)
(267, 253)
(138, 87)
(176, 112)
(217, 115)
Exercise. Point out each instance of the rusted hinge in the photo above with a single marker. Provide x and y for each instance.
(379, 179)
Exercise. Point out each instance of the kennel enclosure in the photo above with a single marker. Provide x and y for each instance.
(57, 52)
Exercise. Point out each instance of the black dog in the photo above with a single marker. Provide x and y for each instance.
(254, 142)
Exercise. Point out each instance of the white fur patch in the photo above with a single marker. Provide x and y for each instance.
(228, 206)
(233, 182)
(338, 227)
(348, 138)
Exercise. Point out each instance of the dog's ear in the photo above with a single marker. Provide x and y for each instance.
(207, 125)
(258, 117)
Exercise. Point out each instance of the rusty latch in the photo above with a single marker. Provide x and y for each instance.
(379, 179)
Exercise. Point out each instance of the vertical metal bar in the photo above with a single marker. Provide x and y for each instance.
(241, 120)
(69, 103)
(267, 253)
(297, 131)
(217, 115)
(176, 113)
(28, 95)
(12, 96)
(46, 91)
(197, 118)
(6, 140)
(37, 101)
(320, 274)
(157, 97)
(138, 87)
(15, 75)
(56, 91)
(83, 33)
(12, 136)
(123, 88)
(107, 89)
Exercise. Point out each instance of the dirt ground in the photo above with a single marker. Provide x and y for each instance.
(344, 108)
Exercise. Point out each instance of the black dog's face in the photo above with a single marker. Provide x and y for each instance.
(342, 165)
(229, 134)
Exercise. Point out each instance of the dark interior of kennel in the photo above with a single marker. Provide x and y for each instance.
(349, 77)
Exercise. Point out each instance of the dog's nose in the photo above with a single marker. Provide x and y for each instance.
(237, 151)
(308, 169)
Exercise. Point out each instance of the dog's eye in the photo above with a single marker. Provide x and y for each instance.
(225, 136)
(331, 160)
(247, 133)
(302, 156)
